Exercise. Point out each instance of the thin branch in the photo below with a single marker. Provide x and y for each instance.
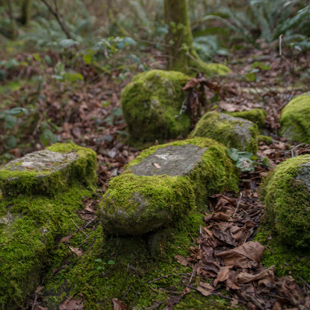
(57, 16)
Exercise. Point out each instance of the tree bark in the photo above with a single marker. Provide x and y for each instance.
(180, 51)
(179, 38)
(26, 12)
(13, 23)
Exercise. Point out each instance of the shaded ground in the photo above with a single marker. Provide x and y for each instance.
(89, 114)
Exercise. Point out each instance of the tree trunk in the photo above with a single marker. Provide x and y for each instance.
(26, 12)
(13, 24)
(180, 51)
(179, 38)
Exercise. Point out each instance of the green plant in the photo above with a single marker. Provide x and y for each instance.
(102, 265)
(246, 161)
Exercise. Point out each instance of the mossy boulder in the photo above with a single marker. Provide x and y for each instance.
(35, 213)
(164, 184)
(295, 119)
(49, 171)
(256, 116)
(233, 132)
(152, 106)
(286, 194)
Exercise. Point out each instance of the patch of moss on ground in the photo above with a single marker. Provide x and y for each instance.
(151, 104)
(29, 238)
(222, 130)
(287, 261)
(28, 182)
(257, 116)
(295, 119)
(145, 271)
(266, 139)
(287, 203)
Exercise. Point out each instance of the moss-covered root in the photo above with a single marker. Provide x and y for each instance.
(295, 119)
(286, 195)
(49, 171)
(136, 204)
(233, 132)
(256, 116)
(152, 106)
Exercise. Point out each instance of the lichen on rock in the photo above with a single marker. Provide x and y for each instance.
(137, 203)
(286, 195)
(233, 132)
(152, 105)
(295, 119)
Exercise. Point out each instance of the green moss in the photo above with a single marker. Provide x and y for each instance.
(287, 262)
(30, 181)
(225, 131)
(169, 197)
(287, 203)
(28, 240)
(138, 261)
(295, 119)
(266, 139)
(151, 105)
(257, 116)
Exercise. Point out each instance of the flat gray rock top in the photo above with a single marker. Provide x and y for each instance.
(170, 160)
(44, 160)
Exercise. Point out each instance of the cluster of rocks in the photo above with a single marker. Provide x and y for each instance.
(163, 185)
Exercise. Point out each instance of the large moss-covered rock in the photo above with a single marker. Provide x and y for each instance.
(286, 195)
(164, 184)
(40, 204)
(233, 132)
(295, 119)
(152, 105)
(49, 170)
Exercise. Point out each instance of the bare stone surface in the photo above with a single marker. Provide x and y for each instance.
(40, 161)
(171, 160)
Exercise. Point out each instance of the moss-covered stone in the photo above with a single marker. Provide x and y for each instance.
(256, 116)
(41, 197)
(48, 171)
(152, 105)
(295, 119)
(233, 132)
(136, 204)
(286, 195)
(33, 226)
(287, 261)
(266, 139)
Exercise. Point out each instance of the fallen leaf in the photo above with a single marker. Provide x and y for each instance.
(205, 289)
(244, 256)
(77, 251)
(156, 165)
(118, 304)
(71, 304)
(181, 260)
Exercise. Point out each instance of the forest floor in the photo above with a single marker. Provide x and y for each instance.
(89, 114)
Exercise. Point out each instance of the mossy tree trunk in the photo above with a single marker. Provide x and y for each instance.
(26, 12)
(180, 51)
(179, 38)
